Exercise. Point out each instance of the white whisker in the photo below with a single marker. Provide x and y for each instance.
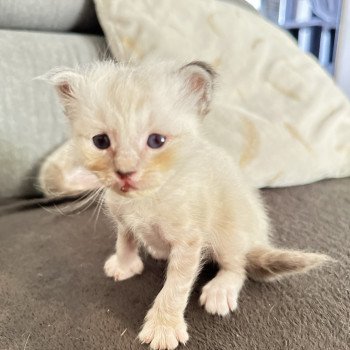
(77, 206)
(99, 207)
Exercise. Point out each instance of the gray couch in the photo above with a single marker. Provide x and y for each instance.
(35, 36)
(53, 294)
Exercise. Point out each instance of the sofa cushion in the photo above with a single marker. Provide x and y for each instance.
(53, 15)
(54, 295)
(30, 114)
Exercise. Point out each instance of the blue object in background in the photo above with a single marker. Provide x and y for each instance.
(314, 23)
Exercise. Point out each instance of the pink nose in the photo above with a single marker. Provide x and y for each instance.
(125, 175)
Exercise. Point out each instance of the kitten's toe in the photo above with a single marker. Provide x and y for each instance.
(163, 336)
(121, 272)
(182, 334)
(218, 298)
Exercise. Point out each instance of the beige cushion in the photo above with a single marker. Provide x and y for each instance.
(277, 112)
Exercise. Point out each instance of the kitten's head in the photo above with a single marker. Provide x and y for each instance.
(133, 126)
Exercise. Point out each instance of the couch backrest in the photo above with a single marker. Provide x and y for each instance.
(49, 15)
(31, 119)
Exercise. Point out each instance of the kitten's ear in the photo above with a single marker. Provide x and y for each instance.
(199, 80)
(66, 82)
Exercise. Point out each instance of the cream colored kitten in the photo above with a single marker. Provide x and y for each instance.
(138, 129)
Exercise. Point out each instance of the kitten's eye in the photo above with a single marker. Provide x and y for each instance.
(156, 140)
(101, 141)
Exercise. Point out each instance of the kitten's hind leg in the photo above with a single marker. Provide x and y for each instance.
(62, 175)
(220, 295)
(125, 263)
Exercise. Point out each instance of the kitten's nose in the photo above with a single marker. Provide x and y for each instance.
(125, 174)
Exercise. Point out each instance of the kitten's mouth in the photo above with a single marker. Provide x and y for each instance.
(127, 187)
(124, 186)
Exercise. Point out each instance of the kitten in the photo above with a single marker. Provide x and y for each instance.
(138, 129)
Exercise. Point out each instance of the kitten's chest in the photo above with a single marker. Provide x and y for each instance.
(136, 218)
(147, 226)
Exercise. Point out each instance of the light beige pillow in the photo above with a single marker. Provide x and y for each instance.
(277, 113)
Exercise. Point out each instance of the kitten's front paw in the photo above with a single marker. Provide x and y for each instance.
(124, 271)
(163, 335)
(219, 297)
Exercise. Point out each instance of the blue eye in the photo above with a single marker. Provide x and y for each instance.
(156, 140)
(101, 141)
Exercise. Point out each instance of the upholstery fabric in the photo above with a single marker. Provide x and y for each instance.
(277, 113)
(31, 120)
(54, 295)
(52, 15)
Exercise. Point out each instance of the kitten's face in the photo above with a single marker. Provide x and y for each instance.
(132, 147)
(134, 127)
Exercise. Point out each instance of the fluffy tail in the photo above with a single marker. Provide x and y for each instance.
(268, 263)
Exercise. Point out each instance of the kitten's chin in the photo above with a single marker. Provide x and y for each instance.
(128, 194)
(133, 192)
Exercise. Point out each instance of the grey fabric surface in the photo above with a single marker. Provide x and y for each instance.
(31, 121)
(53, 15)
(53, 294)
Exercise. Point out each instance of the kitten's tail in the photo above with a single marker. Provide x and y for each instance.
(268, 263)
